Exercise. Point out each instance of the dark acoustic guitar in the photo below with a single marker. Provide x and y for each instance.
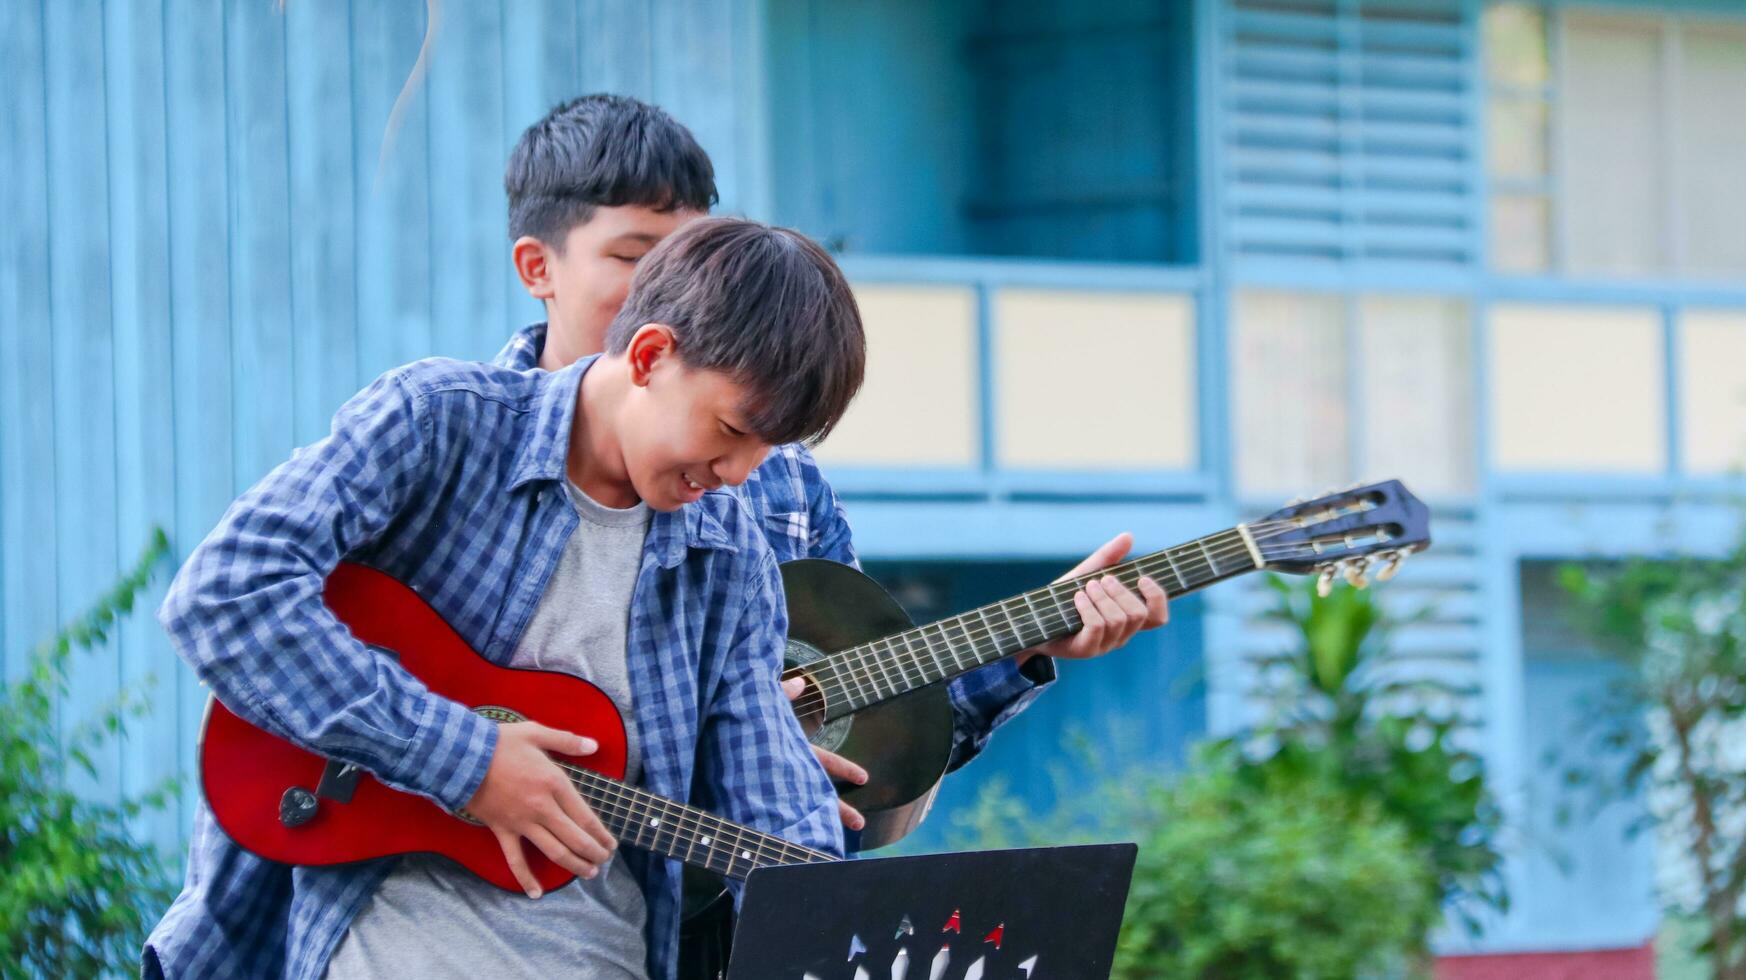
(874, 690)
(289, 805)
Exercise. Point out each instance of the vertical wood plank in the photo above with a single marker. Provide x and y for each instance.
(467, 151)
(752, 191)
(80, 318)
(27, 407)
(541, 68)
(324, 272)
(145, 430)
(194, 85)
(260, 259)
(692, 77)
(616, 40)
(393, 203)
(542, 63)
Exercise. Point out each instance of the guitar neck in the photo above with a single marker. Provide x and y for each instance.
(882, 669)
(696, 837)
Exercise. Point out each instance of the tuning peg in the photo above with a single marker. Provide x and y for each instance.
(1355, 570)
(1325, 581)
(1395, 558)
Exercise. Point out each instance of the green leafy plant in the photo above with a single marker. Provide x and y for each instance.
(1326, 843)
(1342, 722)
(1237, 878)
(76, 889)
(1675, 720)
(1288, 878)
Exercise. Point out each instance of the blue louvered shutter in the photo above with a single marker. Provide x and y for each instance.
(1347, 131)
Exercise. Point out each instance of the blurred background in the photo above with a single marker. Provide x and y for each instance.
(1129, 265)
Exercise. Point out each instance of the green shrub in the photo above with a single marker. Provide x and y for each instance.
(1286, 882)
(1284, 876)
(77, 891)
(1338, 724)
(1326, 844)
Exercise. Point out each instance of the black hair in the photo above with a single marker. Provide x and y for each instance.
(768, 307)
(602, 151)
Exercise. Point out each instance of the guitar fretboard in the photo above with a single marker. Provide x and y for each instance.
(696, 837)
(863, 675)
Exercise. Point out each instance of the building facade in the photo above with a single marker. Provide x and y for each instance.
(1138, 265)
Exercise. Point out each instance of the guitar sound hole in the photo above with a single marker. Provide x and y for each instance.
(499, 714)
(809, 708)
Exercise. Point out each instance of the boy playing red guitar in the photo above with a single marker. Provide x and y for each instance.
(569, 521)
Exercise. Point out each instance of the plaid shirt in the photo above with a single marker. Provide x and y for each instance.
(802, 518)
(448, 475)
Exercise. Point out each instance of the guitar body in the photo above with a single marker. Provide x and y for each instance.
(247, 773)
(904, 743)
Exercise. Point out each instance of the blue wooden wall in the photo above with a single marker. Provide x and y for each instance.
(213, 235)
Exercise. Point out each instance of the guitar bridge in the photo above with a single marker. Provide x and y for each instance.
(339, 780)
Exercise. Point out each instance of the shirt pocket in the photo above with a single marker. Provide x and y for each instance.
(789, 533)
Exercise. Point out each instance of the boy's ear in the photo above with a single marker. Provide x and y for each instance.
(651, 343)
(533, 259)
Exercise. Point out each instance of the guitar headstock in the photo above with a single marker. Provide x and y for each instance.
(1350, 532)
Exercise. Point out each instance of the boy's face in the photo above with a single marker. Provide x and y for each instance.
(586, 283)
(683, 431)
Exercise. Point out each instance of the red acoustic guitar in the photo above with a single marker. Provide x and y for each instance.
(293, 806)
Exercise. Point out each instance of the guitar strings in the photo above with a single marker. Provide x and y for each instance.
(883, 668)
(684, 826)
(622, 801)
(867, 667)
(625, 800)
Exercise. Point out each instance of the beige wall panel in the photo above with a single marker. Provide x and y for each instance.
(1094, 380)
(918, 405)
(1712, 376)
(1417, 392)
(1289, 369)
(1614, 132)
(1709, 147)
(1577, 389)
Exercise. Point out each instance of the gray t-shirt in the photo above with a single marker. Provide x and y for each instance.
(429, 918)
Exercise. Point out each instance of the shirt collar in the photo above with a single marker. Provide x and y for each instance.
(524, 348)
(543, 457)
(673, 533)
(542, 454)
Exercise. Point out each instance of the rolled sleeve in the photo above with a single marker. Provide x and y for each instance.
(246, 610)
(989, 697)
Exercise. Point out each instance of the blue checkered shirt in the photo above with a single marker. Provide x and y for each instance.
(448, 476)
(802, 518)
